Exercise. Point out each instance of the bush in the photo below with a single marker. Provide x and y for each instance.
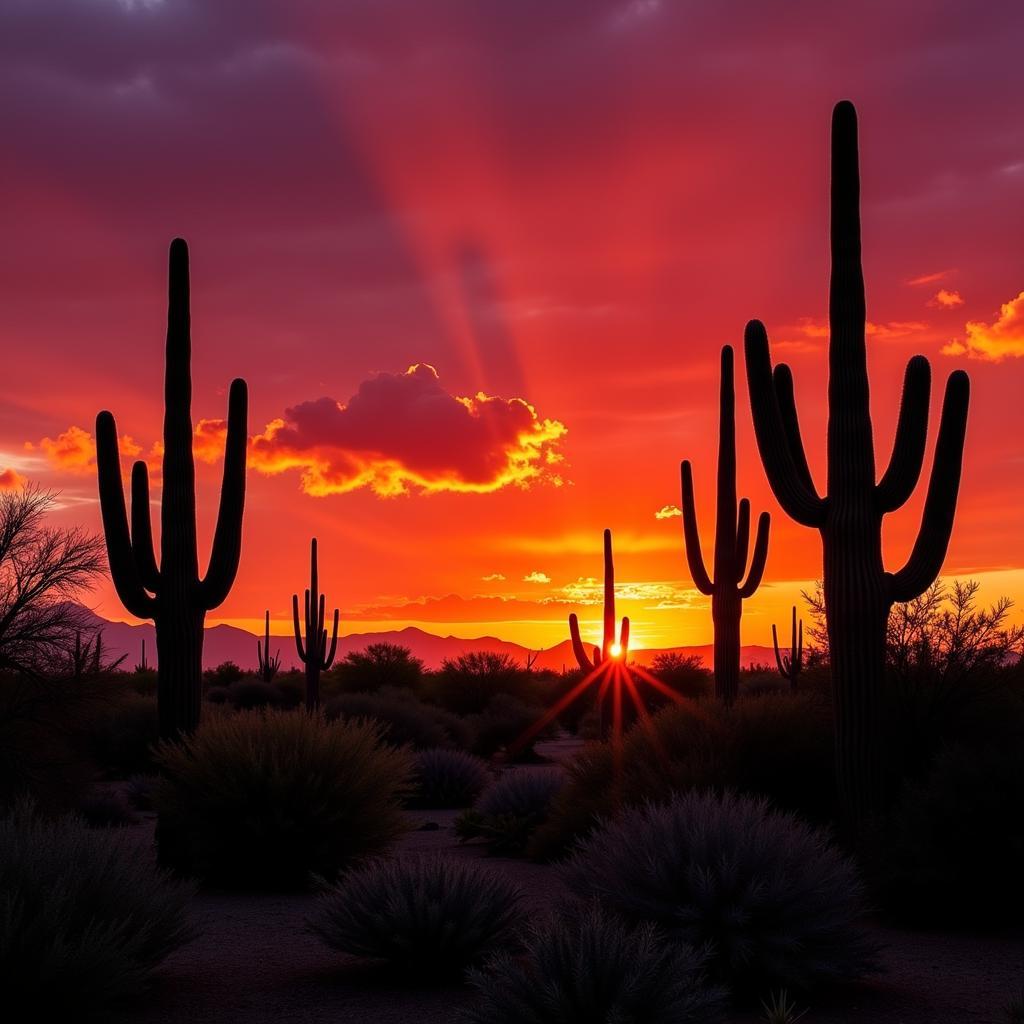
(467, 684)
(429, 917)
(683, 673)
(266, 798)
(378, 666)
(124, 736)
(247, 694)
(589, 968)
(447, 778)
(84, 919)
(504, 721)
(955, 844)
(226, 673)
(774, 901)
(510, 811)
(218, 695)
(139, 790)
(104, 807)
(403, 717)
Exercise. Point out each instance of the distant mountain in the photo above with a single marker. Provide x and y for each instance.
(229, 643)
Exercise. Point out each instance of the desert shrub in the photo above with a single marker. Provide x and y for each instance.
(84, 919)
(776, 903)
(467, 684)
(501, 724)
(955, 843)
(447, 778)
(429, 917)
(290, 692)
(591, 967)
(124, 734)
(250, 693)
(218, 695)
(377, 666)
(224, 674)
(508, 813)
(103, 807)
(403, 717)
(139, 790)
(683, 673)
(266, 798)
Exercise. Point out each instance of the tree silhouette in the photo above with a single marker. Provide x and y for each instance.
(858, 590)
(173, 594)
(732, 540)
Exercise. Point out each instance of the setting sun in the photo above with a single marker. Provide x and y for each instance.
(616, 650)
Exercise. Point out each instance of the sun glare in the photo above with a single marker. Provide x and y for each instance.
(616, 650)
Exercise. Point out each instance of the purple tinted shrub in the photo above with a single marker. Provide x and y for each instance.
(508, 813)
(447, 778)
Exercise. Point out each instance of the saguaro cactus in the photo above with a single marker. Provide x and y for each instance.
(173, 595)
(608, 648)
(268, 665)
(858, 590)
(314, 654)
(792, 664)
(732, 540)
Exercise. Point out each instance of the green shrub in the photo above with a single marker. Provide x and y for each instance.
(403, 717)
(447, 778)
(590, 968)
(429, 917)
(84, 919)
(267, 798)
(124, 735)
(955, 842)
(775, 902)
(508, 813)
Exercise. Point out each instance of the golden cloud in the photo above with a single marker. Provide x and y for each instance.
(11, 480)
(668, 512)
(537, 577)
(997, 340)
(947, 299)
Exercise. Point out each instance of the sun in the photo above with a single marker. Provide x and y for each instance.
(615, 650)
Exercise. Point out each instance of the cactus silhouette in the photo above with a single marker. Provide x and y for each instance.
(792, 664)
(142, 666)
(732, 540)
(314, 653)
(174, 595)
(604, 652)
(858, 590)
(269, 666)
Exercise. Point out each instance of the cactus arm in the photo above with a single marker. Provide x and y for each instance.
(123, 570)
(142, 530)
(759, 558)
(295, 621)
(925, 561)
(782, 379)
(694, 558)
(799, 500)
(900, 479)
(608, 636)
(577, 645)
(227, 538)
(778, 654)
(799, 643)
(742, 538)
(329, 659)
(624, 636)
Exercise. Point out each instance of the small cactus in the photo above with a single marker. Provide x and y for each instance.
(314, 654)
(269, 666)
(790, 665)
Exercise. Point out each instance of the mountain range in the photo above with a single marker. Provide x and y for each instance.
(230, 643)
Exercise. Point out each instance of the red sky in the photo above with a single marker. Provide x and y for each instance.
(558, 213)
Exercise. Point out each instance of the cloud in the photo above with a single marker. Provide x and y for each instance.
(493, 577)
(929, 278)
(812, 328)
(587, 590)
(946, 299)
(537, 577)
(404, 431)
(1003, 337)
(11, 480)
(208, 443)
(668, 512)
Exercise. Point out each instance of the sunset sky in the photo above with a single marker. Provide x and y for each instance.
(476, 261)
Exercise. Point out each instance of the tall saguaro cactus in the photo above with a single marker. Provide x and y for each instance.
(607, 649)
(858, 590)
(173, 594)
(268, 665)
(790, 665)
(314, 654)
(728, 590)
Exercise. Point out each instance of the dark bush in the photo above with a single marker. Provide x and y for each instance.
(267, 798)
(403, 717)
(428, 917)
(290, 692)
(685, 674)
(508, 813)
(84, 919)
(955, 843)
(104, 807)
(224, 674)
(377, 666)
(251, 693)
(124, 735)
(590, 968)
(218, 695)
(503, 724)
(467, 684)
(447, 778)
(775, 902)
(139, 790)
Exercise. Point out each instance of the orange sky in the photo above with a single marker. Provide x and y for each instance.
(558, 216)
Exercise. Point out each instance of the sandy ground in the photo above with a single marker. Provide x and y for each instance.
(254, 963)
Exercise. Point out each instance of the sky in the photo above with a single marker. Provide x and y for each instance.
(477, 260)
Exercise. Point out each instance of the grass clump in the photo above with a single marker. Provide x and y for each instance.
(508, 813)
